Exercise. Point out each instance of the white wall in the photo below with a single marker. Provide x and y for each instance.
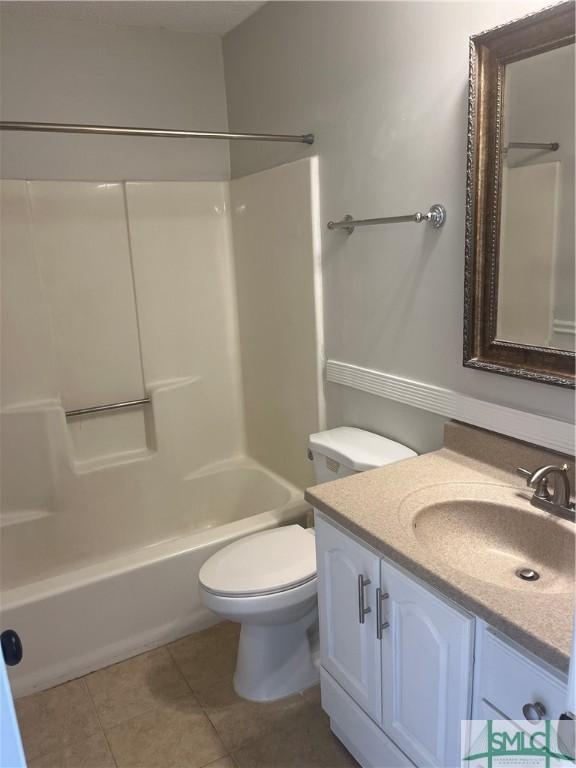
(383, 85)
(55, 70)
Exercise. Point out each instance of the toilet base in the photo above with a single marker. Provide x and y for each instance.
(276, 660)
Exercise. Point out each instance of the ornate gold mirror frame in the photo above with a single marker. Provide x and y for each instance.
(490, 52)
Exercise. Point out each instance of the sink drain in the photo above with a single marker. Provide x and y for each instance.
(527, 574)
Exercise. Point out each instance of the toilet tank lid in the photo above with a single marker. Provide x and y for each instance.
(358, 449)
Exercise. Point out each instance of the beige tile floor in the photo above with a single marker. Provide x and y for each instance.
(175, 707)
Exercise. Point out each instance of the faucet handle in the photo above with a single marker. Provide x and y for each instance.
(558, 502)
(541, 486)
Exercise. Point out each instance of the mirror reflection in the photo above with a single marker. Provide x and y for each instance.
(536, 269)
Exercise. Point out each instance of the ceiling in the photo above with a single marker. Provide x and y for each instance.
(215, 17)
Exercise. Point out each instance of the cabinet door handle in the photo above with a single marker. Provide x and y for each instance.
(380, 625)
(362, 608)
(534, 711)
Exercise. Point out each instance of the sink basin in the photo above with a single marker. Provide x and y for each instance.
(491, 532)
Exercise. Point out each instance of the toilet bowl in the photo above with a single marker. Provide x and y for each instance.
(267, 583)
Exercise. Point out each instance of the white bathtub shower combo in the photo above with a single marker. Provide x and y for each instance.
(155, 292)
(159, 386)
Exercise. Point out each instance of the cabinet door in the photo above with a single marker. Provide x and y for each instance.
(427, 659)
(349, 649)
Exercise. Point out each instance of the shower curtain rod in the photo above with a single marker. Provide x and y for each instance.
(118, 130)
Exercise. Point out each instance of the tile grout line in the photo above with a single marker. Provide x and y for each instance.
(207, 715)
(99, 721)
(213, 762)
(62, 748)
(145, 711)
(249, 742)
(229, 753)
(180, 672)
(233, 757)
(101, 730)
(224, 747)
(254, 739)
(151, 709)
(189, 684)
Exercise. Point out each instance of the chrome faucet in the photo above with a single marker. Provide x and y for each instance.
(556, 502)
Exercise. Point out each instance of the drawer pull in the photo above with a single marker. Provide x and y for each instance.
(380, 625)
(362, 608)
(534, 711)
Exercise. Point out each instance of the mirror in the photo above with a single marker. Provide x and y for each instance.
(519, 314)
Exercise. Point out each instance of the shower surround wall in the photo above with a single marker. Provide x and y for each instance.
(279, 288)
(129, 290)
(113, 292)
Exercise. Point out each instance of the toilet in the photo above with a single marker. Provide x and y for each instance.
(267, 581)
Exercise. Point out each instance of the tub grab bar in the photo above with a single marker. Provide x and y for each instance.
(110, 407)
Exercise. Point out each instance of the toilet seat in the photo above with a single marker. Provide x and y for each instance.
(264, 563)
(273, 608)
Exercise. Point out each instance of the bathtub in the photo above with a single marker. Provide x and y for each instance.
(94, 612)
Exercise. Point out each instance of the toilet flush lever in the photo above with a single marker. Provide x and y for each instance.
(363, 609)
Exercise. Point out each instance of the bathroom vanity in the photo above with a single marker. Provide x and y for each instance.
(424, 621)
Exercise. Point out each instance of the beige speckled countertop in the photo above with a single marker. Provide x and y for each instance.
(375, 506)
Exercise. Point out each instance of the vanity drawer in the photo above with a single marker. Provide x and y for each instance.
(508, 680)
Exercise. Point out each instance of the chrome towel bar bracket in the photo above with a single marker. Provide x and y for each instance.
(436, 216)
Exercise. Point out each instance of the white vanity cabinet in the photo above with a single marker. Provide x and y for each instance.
(348, 575)
(427, 659)
(391, 650)
(399, 662)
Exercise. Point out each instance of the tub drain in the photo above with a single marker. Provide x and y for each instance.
(527, 574)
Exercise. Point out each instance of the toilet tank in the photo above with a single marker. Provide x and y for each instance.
(345, 451)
